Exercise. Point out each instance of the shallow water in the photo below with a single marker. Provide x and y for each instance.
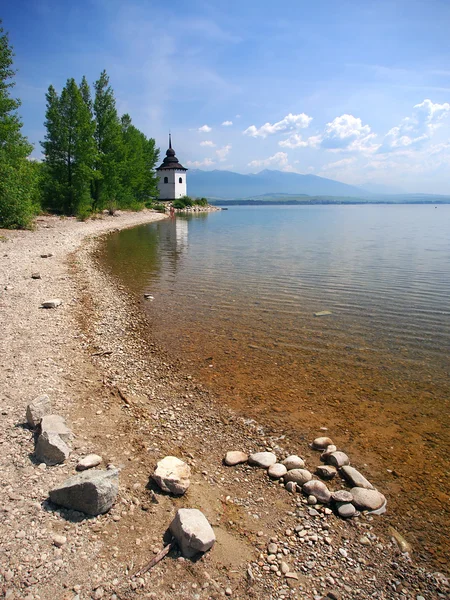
(235, 294)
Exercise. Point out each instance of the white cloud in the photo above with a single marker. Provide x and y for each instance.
(348, 133)
(289, 123)
(222, 153)
(208, 143)
(294, 141)
(420, 126)
(207, 162)
(204, 129)
(279, 159)
(227, 123)
(339, 164)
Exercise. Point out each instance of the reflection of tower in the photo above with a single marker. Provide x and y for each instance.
(181, 231)
(172, 176)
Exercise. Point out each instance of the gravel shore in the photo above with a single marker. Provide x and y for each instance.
(126, 401)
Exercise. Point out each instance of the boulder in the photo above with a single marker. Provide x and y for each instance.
(56, 424)
(346, 510)
(54, 303)
(337, 459)
(172, 475)
(88, 462)
(37, 409)
(355, 478)
(326, 471)
(342, 496)
(276, 471)
(299, 476)
(262, 459)
(192, 531)
(293, 462)
(367, 499)
(51, 449)
(92, 492)
(321, 443)
(235, 457)
(318, 489)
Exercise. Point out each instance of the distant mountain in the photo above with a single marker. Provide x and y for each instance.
(379, 188)
(228, 185)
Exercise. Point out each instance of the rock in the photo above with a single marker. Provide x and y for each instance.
(312, 500)
(192, 531)
(172, 475)
(59, 540)
(291, 487)
(48, 255)
(345, 509)
(38, 408)
(88, 462)
(235, 457)
(321, 443)
(337, 459)
(272, 548)
(342, 496)
(35, 275)
(323, 313)
(56, 424)
(367, 499)
(318, 489)
(276, 471)
(291, 575)
(284, 568)
(326, 453)
(293, 462)
(326, 471)
(403, 545)
(299, 476)
(52, 303)
(355, 478)
(92, 492)
(51, 449)
(262, 459)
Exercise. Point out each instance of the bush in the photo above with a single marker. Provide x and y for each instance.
(19, 198)
(158, 207)
(179, 204)
(201, 202)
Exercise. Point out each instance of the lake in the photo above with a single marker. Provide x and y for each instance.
(235, 296)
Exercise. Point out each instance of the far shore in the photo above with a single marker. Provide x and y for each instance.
(129, 402)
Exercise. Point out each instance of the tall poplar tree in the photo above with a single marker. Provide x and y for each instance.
(18, 176)
(108, 136)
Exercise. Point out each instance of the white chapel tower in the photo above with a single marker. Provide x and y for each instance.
(172, 176)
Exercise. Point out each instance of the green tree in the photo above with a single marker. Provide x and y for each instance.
(18, 176)
(108, 137)
(70, 150)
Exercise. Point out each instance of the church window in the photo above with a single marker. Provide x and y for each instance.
(180, 180)
(166, 180)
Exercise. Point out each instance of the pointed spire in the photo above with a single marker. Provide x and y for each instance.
(170, 140)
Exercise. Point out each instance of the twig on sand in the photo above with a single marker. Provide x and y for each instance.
(155, 560)
(104, 353)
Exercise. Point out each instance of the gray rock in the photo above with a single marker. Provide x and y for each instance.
(37, 409)
(88, 462)
(172, 475)
(367, 499)
(291, 487)
(92, 492)
(235, 457)
(346, 510)
(337, 459)
(51, 449)
(312, 500)
(321, 443)
(35, 275)
(293, 462)
(299, 476)
(54, 303)
(342, 496)
(262, 459)
(326, 471)
(276, 471)
(355, 478)
(192, 531)
(318, 489)
(56, 424)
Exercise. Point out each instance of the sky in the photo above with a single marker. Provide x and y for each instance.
(352, 90)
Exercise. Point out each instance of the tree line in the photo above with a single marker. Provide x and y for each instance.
(93, 158)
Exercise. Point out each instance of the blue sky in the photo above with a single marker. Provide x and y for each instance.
(353, 90)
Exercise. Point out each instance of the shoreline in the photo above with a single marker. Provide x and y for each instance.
(168, 412)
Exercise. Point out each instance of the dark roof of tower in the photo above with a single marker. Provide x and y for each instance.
(171, 161)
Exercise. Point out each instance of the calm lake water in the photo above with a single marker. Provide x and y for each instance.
(235, 294)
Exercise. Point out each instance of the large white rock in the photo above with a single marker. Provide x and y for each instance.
(51, 449)
(318, 489)
(367, 499)
(37, 409)
(321, 443)
(88, 462)
(293, 462)
(298, 476)
(276, 471)
(92, 492)
(235, 457)
(172, 475)
(355, 478)
(56, 424)
(192, 531)
(262, 459)
(337, 459)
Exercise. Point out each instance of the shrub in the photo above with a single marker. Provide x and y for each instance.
(158, 207)
(179, 204)
(201, 202)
